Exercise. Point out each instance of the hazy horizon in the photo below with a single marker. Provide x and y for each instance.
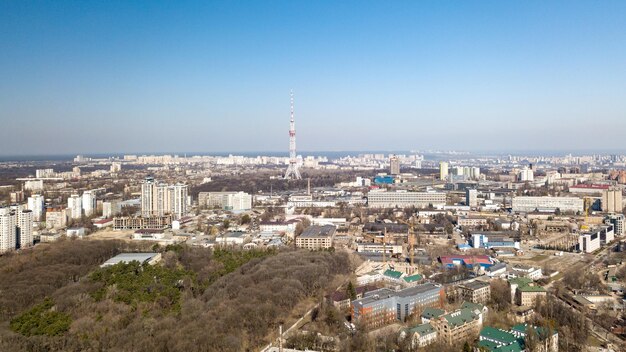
(479, 75)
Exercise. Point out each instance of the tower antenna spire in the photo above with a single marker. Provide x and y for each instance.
(293, 170)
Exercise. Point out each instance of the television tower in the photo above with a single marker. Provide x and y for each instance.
(293, 172)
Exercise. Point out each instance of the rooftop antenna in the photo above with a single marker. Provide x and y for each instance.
(293, 172)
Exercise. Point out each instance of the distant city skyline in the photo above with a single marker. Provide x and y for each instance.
(97, 78)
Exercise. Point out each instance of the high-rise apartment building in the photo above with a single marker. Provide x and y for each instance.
(89, 203)
(8, 227)
(471, 197)
(443, 170)
(16, 228)
(74, 204)
(394, 165)
(24, 227)
(526, 174)
(36, 205)
(159, 199)
(612, 200)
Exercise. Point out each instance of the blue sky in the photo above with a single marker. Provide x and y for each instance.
(128, 76)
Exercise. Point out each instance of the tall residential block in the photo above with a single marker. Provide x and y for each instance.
(612, 200)
(394, 165)
(159, 199)
(75, 207)
(36, 205)
(16, 228)
(443, 170)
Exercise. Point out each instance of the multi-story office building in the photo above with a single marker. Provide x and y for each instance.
(16, 228)
(394, 165)
(548, 204)
(443, 170)
(316, 237)
(159, 199)
(385, 306)
(36, 205)
(233, 201)
(404, 199)
(89, 203)
(471, 197)
(74, 204)
(617, 220)
(612, 200)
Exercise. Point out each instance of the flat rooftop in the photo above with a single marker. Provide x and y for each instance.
(129, 257)
(319, 231)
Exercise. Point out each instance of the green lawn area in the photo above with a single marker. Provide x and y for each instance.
(539, 258)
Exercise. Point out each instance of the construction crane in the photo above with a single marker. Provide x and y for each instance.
(586, 206)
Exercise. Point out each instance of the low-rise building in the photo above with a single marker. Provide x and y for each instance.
(147, 258)
(233, 238)
(316, 237)
(524, 292)
(141, 223)
(422, 335)
(475, 291)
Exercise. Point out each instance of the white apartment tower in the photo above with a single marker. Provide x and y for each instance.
(526, 174)
(443, 170)
(24, 227)
(16, 228)
(36, 205)
(74, 205)
(8, 229)
(89, 203)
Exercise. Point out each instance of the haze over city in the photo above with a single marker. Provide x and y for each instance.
(106, 77)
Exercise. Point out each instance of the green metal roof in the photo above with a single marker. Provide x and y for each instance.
(433, 313)
(413, 278)
(531, 289)
(520, 281)
(392, 273)
(514, 347)
(423, 329)
(504, 337)
(460, 317)
(472, 306)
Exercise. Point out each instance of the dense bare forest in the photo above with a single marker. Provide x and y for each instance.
(56, 298)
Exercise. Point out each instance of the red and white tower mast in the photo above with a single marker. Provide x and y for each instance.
(293, 172)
